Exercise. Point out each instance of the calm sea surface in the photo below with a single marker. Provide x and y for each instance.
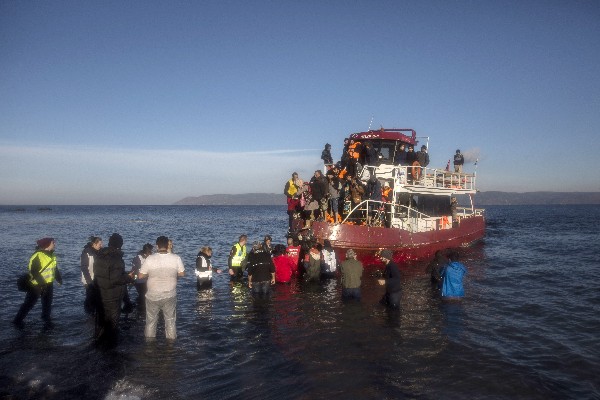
(529, 328)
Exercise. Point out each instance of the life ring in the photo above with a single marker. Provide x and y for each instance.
(416, 170)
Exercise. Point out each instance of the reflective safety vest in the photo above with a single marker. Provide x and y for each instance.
(47, 266)
(292, 190)
(239, 256)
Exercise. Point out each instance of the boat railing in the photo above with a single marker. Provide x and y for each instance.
(415, 178)
(385, 214)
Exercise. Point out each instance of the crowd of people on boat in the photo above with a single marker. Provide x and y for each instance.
(154, 275)
(338, 193)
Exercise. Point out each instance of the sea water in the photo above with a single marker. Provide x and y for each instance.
(528, 327)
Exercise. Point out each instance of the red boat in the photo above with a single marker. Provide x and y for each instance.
(419, 217)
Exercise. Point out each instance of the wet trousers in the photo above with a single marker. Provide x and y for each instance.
(31, 298)
(168, 308)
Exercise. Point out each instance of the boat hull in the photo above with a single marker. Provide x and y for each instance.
(406, 246)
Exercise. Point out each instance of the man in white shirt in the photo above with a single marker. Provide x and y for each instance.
(162, 270)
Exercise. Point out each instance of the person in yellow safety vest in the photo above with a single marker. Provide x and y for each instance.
(43, 272)
(237, 259)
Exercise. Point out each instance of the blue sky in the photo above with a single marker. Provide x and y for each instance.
(149, 102)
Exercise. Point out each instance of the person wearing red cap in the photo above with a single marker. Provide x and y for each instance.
(42, 272)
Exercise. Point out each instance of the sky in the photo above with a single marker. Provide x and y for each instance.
(147, 102)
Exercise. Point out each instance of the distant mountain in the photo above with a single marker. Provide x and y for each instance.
(250, 199)
(481, 199)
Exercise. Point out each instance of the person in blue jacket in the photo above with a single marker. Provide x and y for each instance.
(452, 277)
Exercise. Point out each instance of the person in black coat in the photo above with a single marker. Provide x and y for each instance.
(391, 280)
(261, 271)
(326, 155)
(111, 279)
(319, 188)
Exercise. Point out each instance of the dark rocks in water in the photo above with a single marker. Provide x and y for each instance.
(44, 209)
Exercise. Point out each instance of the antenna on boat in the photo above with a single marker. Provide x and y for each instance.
(370, 122)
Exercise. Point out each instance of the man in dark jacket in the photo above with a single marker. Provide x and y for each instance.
(326, 155)
(111, 279)
(459, 160)
(373, 193)
(400, 158)
(371, 156)
(423, 157)
(320, 189)
(391, 280)
(261, 271)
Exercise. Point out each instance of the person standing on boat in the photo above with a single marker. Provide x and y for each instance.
(320, 190)
(374, 195)
(334, 188)
(391, 280)
(411, 156)
(371, 156)
(237, 259)
(140, 284)
(459, 160)
(351, 270)
(162, 270)
(452, 278)
(89, 253)
(423, 157)
(292, 191)
(42, 274)
(326, 156)
(400, 158)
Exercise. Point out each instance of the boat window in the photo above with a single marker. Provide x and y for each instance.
(385, 149)
(434, 206)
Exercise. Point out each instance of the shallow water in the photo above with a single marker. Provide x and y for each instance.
(528, 328)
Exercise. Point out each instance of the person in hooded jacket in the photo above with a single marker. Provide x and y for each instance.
(89, 253)
(452, 278)
(111, 279)
(204, 269)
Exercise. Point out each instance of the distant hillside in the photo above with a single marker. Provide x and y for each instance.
(481, 199)
(251, 199)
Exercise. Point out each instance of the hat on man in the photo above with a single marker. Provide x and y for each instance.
(44, 242)
(115, 240)
(423, 147)
(387, 254)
